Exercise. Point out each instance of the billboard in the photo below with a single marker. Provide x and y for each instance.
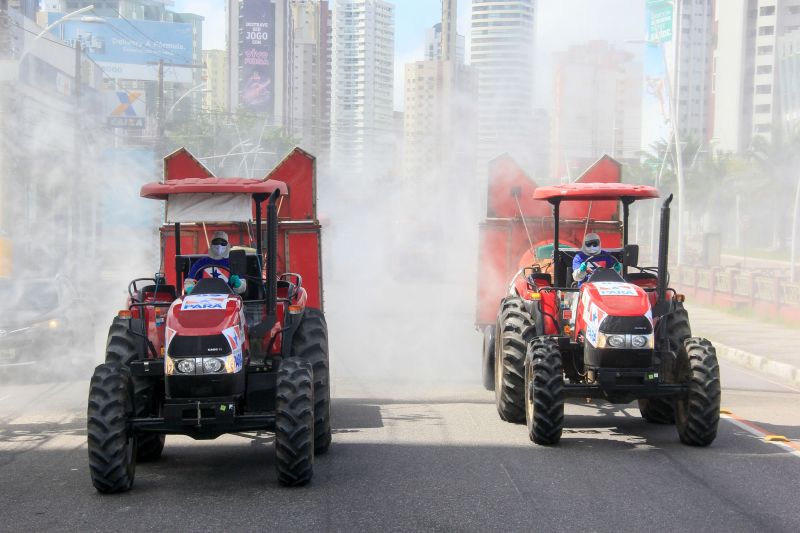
(659, 21)
(128, 49)
(257, 55)
(126, 109)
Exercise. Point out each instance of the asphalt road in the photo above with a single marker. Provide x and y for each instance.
(419, 458)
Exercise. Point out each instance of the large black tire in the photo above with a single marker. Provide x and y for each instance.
(112, 448)
(515, 329)
(697, 414)
(294, 422)
(123, 347)
(487, 363)
(662, 410)
(310, 342)
(544, 391)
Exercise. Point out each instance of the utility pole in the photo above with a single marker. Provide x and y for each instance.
(76, 204)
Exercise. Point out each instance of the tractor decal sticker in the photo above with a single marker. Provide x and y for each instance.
(649, 316)
(237, 360)
(205, 302)
(615, 288)
(232, 334)
(169, 335)
(596, 317)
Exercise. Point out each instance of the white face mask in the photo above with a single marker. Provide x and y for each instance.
(593, 250)
(218, 251)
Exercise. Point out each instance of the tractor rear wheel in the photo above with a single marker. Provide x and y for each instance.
(112, 448)
(662, 410)
(310, 342)
(487, 366)
(544, 391)
(294, 422)
(124, 346)
(697, 414)
(515, 328)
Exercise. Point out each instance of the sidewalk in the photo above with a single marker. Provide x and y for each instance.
(769, 348)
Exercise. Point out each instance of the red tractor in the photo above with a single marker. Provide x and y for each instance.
(619, 336)
(214, 362)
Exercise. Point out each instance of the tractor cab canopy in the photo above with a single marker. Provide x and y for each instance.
(624, 192)
(211, 199)
(583, 192)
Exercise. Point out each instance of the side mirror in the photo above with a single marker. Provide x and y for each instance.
(182, 265)
(237, 259)
(630, 255)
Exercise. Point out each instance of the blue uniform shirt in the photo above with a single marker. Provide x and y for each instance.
(207, 262)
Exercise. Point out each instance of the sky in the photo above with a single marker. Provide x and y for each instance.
(560, 23)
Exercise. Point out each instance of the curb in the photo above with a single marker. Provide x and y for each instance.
(774, 368)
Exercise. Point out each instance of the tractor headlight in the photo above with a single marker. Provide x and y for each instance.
(619, 341)
(212, 365)
(639, 341)
(615, 341)
(200, 365)
(185, 366)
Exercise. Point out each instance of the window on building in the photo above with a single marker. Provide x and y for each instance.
(766, 30)
(763, 89)
(766, 11)
(764, 69)
(763, 108)
(764, 50)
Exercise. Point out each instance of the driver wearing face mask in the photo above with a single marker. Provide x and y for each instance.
(216, 265)
(591, 251)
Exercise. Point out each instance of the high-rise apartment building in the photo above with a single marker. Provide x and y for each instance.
(439, 127)
(694, 37)
(433, 44)
(597, 109)
(362, 85)
(746, 78)
(216, 78)
(502, 52)
(311, 74)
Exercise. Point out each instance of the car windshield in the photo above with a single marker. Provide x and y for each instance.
(29, 295)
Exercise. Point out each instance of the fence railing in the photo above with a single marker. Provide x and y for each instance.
(738, 285)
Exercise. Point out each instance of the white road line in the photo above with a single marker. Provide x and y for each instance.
(760, 434)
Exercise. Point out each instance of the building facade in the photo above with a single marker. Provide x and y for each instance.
(216, 78)
(597, 108)
(311, 75)
(694, 38)
(746, 79)
(362, 108)
(502, 53)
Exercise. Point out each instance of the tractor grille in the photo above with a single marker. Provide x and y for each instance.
(633, 325)
(199, 346)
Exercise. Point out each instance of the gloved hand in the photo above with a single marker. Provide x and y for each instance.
(617, 268)
(584, 266)
(234, 281)
(188, 285)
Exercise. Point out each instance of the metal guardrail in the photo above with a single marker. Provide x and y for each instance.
(740, 285)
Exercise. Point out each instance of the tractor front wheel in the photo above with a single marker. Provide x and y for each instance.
(294, 422)
(124, 346)
(514, 329)
(487, 366)
(112, 448)
(697, 414)
(544, 391)
(310, 342)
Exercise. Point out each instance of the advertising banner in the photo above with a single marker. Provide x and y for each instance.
(659, 21)
(655, 102)
(126, 109)
(130, 49)
(257, 55)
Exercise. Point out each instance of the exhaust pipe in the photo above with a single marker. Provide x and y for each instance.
(663, 251)
(272, 252)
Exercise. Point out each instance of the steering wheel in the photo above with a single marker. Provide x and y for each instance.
(596, 266)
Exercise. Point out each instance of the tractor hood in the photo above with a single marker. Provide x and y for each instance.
(615, 298)
(205, 314)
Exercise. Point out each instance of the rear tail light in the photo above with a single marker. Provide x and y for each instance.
(124, 313)
(295, 309)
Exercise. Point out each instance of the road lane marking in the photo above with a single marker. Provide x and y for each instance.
(790, 446)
